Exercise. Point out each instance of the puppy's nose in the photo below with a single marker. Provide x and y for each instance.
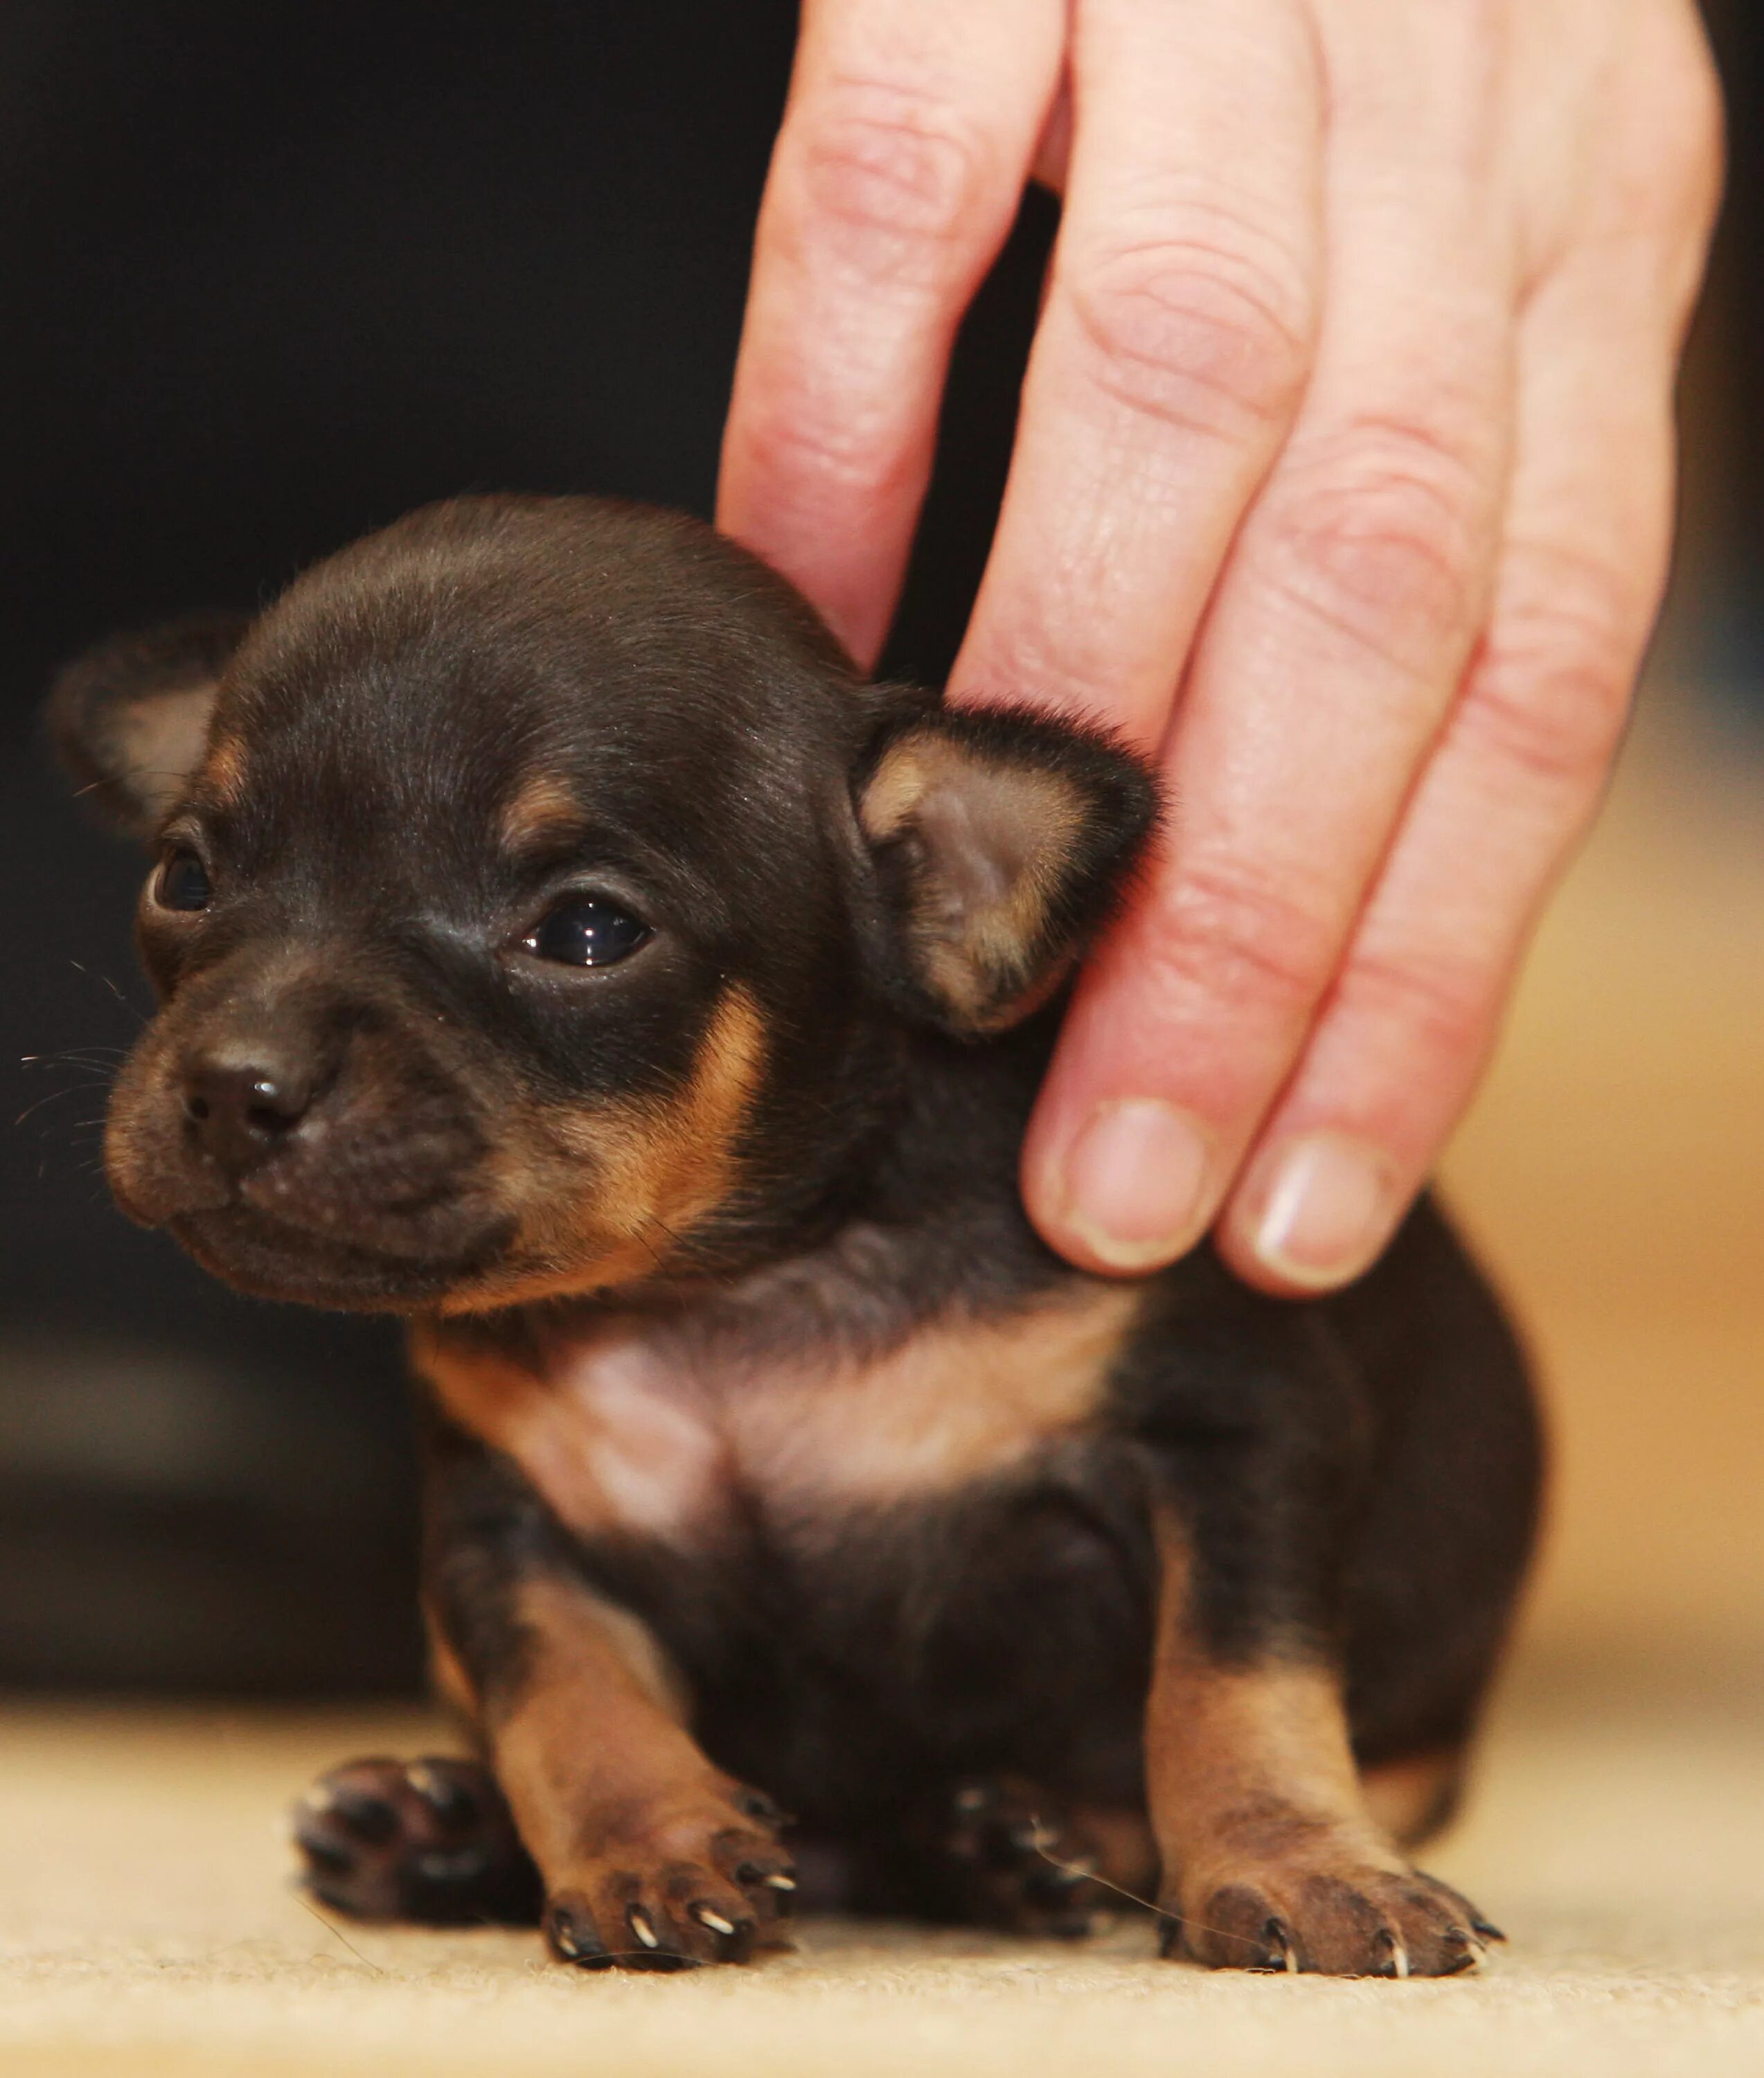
(243, 1110)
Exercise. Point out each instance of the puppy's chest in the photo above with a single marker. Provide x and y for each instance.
(633, 1430)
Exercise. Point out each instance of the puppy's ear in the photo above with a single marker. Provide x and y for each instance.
(130, 718)
(1002, 841)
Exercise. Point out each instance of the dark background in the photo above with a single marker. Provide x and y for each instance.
(270, 276)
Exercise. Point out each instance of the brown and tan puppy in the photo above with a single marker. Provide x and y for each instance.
(559, 945)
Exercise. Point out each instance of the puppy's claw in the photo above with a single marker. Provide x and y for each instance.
(571, 1938)
(1397, 1961)
(1280, 1954)
(1472, 1956)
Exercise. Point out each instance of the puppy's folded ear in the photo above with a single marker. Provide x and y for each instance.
(1002, 841)
(130, 718)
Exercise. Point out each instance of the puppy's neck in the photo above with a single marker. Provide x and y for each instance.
(923, 1339)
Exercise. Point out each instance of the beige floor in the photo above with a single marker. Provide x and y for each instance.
(147, 1926)
(1615, 1173)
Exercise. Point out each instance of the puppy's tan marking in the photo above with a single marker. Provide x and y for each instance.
(631, 1454)
(606, 1193)
(1244, 1764)
(634, 1428)
(541, 808)
(956, 1402)
(552, 1610)
(591, 1742)
(222, 774)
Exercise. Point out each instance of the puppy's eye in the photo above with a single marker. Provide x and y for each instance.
(585, 931)
(182, 882)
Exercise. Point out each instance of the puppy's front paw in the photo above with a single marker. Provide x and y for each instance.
(1341, 1919)
(430, 1841)
(1018, 1863)
(711, 1887)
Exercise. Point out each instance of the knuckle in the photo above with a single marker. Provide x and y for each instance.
(1439, 1004)
(1550, 693)
(1230, 934)
(1384, 537)
(899, 177)
(810, 437)
(1189, 331)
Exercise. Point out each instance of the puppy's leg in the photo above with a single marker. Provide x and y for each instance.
(1260, 1441)
(650, 1856)
(641, 1836)
(1272, 1858)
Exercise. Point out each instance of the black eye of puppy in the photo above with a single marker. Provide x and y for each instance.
(181, 881)
(586, 930)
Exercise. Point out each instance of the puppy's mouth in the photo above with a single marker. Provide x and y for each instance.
(273, 1256)
(385, 1204)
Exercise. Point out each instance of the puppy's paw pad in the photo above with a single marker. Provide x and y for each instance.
(430, 1841)
(1020, 1864)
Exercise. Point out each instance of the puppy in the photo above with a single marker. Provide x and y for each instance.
(559, 945)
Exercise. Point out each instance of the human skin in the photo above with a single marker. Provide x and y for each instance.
(1342, 484)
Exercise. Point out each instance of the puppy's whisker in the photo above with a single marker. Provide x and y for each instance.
(124, 778)
(70, 1090)
(1080, 1871)
(93, 974)
(643, 1235)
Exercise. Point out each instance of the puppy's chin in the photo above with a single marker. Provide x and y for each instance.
(271, 1259)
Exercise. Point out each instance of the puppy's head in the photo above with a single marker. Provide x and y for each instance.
(538, 898)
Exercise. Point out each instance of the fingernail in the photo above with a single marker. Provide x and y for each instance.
(1327, 1212)
(1135, 1180)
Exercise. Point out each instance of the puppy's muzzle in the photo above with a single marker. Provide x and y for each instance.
(302, 1138)
(245, 1104)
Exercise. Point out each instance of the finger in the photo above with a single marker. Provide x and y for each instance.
(904, 149)
(1516, 779)
(1173, 348)
(1512, 787)
(1337, 638)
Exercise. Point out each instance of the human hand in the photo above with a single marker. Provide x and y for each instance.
(1342, 482)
